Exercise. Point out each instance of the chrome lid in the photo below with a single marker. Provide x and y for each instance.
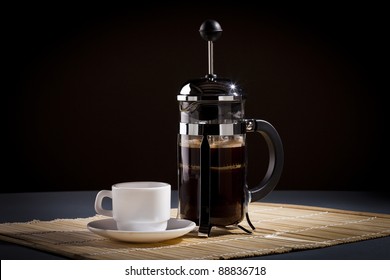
(210, 88)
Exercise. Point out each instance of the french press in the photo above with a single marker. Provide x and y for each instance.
(212, 154)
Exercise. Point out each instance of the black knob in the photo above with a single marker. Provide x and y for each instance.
(210, 30)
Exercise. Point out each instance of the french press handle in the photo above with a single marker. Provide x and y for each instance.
(276, 157)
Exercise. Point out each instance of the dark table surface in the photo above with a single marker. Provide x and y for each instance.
(22, 207)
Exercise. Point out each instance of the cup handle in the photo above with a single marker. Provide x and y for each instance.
(276, 157)
(99, 200)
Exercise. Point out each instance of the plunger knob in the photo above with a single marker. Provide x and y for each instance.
(210, 30)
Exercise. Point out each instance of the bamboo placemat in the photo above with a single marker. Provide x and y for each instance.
(280, 228)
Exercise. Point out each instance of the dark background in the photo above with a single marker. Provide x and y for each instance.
(90, 91)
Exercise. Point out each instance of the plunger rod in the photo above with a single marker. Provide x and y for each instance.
(211, 57)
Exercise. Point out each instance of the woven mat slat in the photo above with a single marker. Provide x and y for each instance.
(280, 228)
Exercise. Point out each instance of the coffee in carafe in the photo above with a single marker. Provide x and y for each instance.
(227, 172)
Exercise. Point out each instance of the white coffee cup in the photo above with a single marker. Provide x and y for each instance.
(137, 206)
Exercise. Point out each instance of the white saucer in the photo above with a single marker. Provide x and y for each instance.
(175, 228)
